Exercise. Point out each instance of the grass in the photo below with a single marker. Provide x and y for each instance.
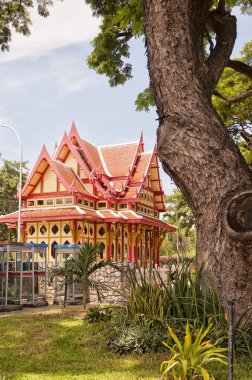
(57, 344)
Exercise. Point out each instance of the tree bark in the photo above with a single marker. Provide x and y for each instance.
(193, 144)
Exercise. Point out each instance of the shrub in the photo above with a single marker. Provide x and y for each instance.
(191, 356)
(181, 298)
(136, 338)
(98, 314)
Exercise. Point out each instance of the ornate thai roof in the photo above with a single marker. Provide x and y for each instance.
(80, 213)
(118, 173)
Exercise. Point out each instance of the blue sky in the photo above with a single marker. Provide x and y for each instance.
(46, 84)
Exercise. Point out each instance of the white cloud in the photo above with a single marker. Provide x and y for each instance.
(70, 22)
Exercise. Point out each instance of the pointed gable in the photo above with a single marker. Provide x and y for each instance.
(119, 158)
(52, 171)
(142, 167)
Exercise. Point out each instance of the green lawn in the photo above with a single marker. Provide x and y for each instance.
(57, 344)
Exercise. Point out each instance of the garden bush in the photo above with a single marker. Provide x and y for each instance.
(98, 314)
(185, 296)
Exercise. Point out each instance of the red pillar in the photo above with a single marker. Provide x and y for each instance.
(108, 241)
(122, 243)
(130, 242)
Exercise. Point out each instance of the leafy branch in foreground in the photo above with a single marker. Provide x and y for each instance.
(15, 15)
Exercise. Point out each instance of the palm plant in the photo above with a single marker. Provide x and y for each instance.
(84, 265)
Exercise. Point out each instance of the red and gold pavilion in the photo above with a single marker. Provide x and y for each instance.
(108, 194)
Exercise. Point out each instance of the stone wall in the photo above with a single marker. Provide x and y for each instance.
(115, 285)
(113, 289)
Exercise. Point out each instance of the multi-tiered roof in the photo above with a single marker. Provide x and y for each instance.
(115, 173)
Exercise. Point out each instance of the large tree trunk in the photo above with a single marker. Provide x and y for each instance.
(194, 146)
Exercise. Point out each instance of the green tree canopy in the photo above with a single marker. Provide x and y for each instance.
(180, 215)
(9, 180)
(15, 16)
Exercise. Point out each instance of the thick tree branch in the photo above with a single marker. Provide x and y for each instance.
(224, 26)
(244, 96)
(210, 41)
(222, 6)
(127, 35)
(241, 67)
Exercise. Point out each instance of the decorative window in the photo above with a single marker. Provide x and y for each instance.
(126, 234)
(59, 201)
(122, 205)
(101, 250)
(31, 230)
(112, 205)
(119, 232)
(102, 204)
(133, 206)
(40, 202)
(80, 202)
(79, 227)
(30, 203)
(69, 200)
(101, 231)
(43, 229)
(49, 202)
(67, 229)
(55, 229)
(41, 254)
(85, 202)
(91, 204)
(53, 249)
(91, 231)
(112, 253)
(119, 252)
(85, 230)
(126, 252)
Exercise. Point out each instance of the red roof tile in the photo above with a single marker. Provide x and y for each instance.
(70, 177)
(94, 154)
(132, 192)
(141, 167)
(119, 158)
(50, 214)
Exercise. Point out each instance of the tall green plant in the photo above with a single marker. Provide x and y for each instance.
(178, 298)
(84, 265)
(191, 356)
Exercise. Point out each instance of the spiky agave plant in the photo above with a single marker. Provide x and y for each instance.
(190, 357)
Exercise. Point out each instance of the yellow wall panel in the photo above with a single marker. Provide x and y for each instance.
(89, 187)
(71, 161)
(50, 181)
(62, 187)
(38, 188)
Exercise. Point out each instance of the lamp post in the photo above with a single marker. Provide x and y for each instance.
(20, 180)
